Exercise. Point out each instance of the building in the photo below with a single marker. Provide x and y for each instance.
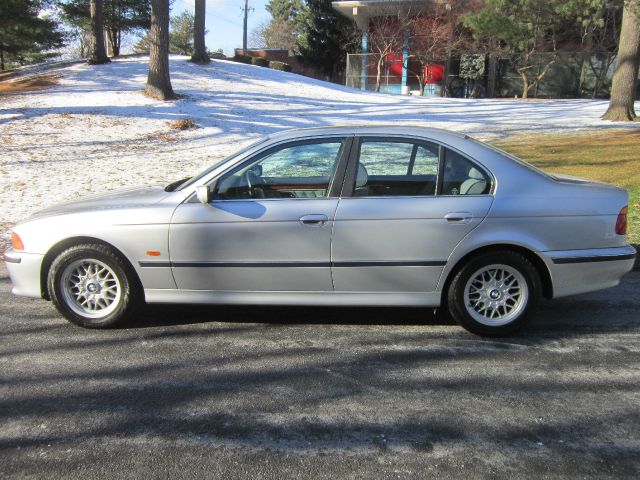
(399, 71)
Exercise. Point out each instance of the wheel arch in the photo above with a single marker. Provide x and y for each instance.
(534, 258)
(62, 245)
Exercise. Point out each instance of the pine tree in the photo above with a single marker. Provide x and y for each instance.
(26, 36)
(98, 54)
(142, 45)
(119, 17)
(199, 46)
(287, 10)
(158, 80)
(527, 28)
(326, 38)
(284, 28)
(181, 34)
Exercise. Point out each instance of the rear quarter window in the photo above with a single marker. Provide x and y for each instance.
(461, 176)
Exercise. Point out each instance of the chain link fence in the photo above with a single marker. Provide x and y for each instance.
(569, 75)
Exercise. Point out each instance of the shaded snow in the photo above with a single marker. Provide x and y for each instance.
(95, 131)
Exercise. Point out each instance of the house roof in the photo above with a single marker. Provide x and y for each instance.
(361, 11)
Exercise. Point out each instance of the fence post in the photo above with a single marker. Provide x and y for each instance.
(364, 68)
(405, 63)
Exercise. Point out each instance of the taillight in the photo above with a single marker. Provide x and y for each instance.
(621, 222)
(16, 241)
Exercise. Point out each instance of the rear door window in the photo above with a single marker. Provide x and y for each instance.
(396, 168)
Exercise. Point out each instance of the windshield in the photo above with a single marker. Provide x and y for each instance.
(210, 169)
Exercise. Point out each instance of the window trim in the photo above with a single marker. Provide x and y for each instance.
(349, 178)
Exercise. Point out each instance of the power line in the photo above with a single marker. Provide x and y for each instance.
(213, 15)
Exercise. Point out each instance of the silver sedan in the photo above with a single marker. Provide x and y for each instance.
(373, 216)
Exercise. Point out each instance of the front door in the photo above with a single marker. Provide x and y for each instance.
(407, 204)
(269, 225)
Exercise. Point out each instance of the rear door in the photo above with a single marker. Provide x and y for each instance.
(406, 204)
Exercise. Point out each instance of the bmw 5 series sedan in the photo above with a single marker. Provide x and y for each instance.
(370, 216)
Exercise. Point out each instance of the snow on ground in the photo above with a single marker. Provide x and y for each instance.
(95, 131)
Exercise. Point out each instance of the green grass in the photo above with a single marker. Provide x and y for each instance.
(612, 157)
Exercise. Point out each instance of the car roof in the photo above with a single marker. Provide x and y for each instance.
(428, 132)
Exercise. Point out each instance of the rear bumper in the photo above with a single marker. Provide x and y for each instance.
(581, 271)
(24, 270)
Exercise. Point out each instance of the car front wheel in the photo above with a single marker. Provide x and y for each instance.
(90, 285)
(495, 293)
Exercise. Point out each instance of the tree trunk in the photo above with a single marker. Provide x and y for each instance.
(379, 73)
(491, 77)
(474, 89)
(623, 89)
(601, 75)
(1, 59)
(112, 38)
(541, 75)
(158, 81)
(525, 81)
(98, 54)
(421, 83)
(114, 41)
(446, 85)
(199, 47)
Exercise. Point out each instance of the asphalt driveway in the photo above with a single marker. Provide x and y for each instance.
(321, 393)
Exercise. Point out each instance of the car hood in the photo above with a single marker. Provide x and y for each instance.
(115, 199)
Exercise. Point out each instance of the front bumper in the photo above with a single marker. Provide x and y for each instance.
(581, 271)
(24, 270)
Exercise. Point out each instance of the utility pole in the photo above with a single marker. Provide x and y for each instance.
(244, 27)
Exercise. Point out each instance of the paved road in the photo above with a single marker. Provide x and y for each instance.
(321, 393)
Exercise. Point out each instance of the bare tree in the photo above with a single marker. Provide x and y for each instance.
(158, 81)
(385, 38)
(278, 33)
(257, 38)
(199, 47)
(625, 77)
(435, 34)
(98, 53)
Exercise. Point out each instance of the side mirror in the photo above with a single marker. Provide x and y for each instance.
(203, 193)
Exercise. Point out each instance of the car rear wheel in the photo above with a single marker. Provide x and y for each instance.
(495, 293)
(92, 287)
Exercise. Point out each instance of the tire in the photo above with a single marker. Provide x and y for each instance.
(93, 287)
(495, 294)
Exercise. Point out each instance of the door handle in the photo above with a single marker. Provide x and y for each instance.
(314, 220)
(458, 217)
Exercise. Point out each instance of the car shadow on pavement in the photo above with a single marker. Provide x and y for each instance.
(167, 315)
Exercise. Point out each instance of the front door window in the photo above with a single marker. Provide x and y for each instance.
(301, 170)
